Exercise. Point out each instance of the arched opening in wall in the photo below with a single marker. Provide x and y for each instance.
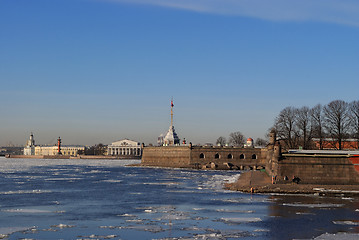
(216, 156)
(241, 156)
(230, 156)
(254, 156)
(201, 155)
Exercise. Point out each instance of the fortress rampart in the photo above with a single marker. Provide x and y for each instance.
(318, 168)
(308, 166)
(205, 157)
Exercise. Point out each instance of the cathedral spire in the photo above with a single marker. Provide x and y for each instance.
(172, 111)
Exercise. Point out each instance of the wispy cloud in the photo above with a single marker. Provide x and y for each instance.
(334, 11)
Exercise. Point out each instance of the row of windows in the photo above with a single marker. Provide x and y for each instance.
(229, 156)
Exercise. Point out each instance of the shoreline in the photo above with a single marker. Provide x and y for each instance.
(260, 182)
(73, 157)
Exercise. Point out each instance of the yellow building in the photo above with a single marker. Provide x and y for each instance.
(52, 150)
(32, 149)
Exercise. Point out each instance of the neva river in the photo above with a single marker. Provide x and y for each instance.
(104, 199)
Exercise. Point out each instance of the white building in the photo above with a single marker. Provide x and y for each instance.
(250, 143)
(29, 149)
(125, 148)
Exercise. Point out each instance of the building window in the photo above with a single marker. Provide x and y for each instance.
(201, 155)
(241, 156)
(230, 156)
(254, 156)
(216, 156)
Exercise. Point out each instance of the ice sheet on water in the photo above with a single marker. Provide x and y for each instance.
(319, 205)
(112, 181)
(241, 199)
(234, 211)
(61, 226)
(216, 182)
(63, 179)
(175, 216)
(35, 191)
(346, 222)
(12, 165)
(304, 213)
(214, 235)
(28, 210)
(338, 236)
(241, 219)
(335, 190)
(161, 183)
(94, 236)
(9, 230)
(180, 191)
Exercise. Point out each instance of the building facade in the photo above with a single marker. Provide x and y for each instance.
(32, 149)
(329, 143)
(53, 150)
(125, 148)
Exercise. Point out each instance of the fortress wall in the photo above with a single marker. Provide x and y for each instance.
(221, 156)
(168, 156)
(318, 169)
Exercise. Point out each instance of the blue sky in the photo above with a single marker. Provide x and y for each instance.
(95, 71)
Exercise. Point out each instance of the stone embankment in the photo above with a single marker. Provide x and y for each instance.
(260, 182)
(73, 157)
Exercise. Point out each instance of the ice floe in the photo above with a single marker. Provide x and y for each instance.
(5, 231)
(19, 210)
(241, 219)
(94, 236)
(234, 211)
(61, 226)
(347, 222)
(112, 181)
(35, 191)
(338, 236)
(319, 205)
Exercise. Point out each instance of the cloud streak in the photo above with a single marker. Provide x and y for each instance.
(333, 11)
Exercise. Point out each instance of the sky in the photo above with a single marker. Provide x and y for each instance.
(97, 71)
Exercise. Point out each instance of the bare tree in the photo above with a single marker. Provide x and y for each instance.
(285, 126)
(303, 124)
(260, 142)
(317, 124)
(354, 115)
(337, 121)
(221, 141)
(236, 139)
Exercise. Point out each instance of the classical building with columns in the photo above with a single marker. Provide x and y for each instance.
(125, 148)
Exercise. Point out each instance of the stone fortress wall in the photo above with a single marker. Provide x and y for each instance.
(312, 166)
(204, 157)
(309, 166)
(318, 168)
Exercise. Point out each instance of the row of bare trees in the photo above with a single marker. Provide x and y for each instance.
(338, 120)
(237, 139)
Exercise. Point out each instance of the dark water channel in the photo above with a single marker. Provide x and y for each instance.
(104, 199)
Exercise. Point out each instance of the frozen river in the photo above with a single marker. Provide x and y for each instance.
(104, 199)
